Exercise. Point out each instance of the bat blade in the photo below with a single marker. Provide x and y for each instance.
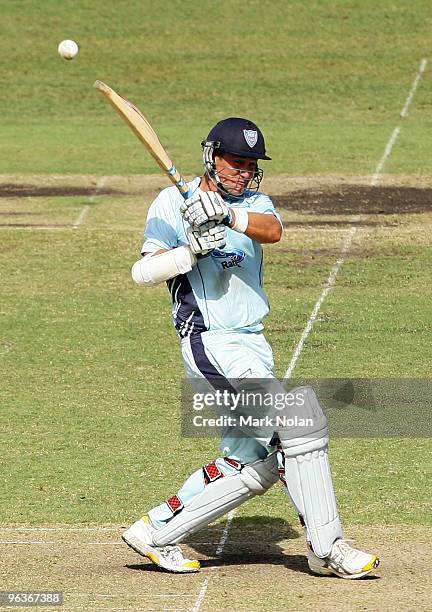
(142, 128)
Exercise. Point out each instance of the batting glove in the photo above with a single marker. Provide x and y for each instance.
(206, 238)
(205, 206)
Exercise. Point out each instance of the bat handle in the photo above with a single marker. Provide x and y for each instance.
(179, 181)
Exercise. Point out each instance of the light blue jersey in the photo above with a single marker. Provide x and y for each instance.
(223, 291)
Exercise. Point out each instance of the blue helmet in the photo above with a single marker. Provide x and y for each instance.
(238, 137)
(235, 136)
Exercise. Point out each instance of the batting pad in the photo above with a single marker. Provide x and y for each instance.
(310, 486)
(219, 497)
(308, 478)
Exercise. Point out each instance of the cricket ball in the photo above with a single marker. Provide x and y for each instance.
(68, 49)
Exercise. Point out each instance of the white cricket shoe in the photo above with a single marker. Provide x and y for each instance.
(139, 536)
(343, 561)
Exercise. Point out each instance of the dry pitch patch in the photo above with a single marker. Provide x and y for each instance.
(262, 568)
(304, 201)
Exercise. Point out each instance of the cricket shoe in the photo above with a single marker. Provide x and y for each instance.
(343, 561)
(139, 536)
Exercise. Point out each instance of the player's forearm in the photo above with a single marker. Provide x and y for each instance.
(263, 228)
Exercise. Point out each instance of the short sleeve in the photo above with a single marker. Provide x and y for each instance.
(263, 204)
(161, 230)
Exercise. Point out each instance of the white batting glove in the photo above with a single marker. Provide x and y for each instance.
(205, 206)
(206, 238)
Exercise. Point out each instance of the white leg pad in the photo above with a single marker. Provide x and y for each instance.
(219, 497)
(310, 486)
(309, 481)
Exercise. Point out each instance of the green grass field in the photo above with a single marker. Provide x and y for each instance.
(91, 371)
(90, 366)
(325, 80)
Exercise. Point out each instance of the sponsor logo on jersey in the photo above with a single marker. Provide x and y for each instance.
(229, 259)
(251, 137)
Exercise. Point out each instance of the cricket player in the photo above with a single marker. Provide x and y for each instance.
(208, 250)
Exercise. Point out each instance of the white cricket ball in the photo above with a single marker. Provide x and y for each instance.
(68, 49)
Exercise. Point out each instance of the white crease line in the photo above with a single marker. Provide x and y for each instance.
(225, 533)
(348, 241)
(34, 227)
(327, 288)
(93, 228)
(83, 214)
(26, 542)
(81, 217)
(396, 131)
(201, 595)
(62, 542)
(87, 608)
(422, 68)
(128, 595)
(386, 155)
(323, 228)
(119, 529)
(219, 551)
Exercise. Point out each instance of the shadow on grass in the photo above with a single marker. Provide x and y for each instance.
(251, 541)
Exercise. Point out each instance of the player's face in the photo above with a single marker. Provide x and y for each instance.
(235, 173)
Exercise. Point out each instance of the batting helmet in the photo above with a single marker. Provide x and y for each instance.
(236, 136)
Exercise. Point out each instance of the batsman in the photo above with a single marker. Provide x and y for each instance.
(208, 250)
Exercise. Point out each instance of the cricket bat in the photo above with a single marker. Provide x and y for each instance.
(142, 128)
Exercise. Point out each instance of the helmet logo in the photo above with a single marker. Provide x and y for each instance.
(251, 137)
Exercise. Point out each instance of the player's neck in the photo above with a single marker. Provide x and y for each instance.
(207, 184)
